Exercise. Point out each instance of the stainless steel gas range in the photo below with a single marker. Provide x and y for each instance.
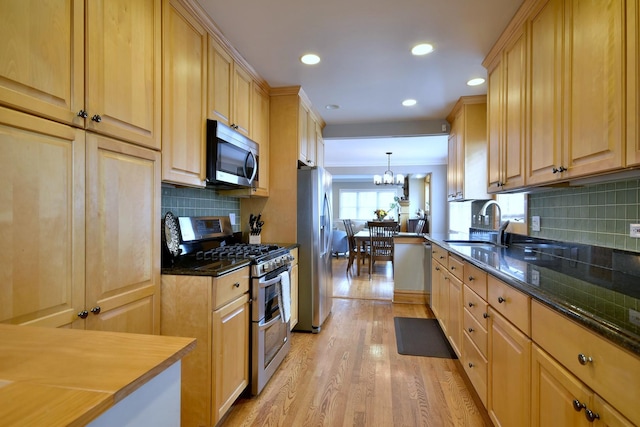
(207, 246)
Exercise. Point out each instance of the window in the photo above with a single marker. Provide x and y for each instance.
(360, 204)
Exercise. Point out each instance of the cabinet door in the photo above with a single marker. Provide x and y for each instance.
(455, 313)
(42, 51)
(319, 146)
(544, 141)
(554, 390)
(220, 83)
(512, 156)
(452, 164)
(123, 68)
(594, 109)
(311, 140)
(260, 134)
(184, 97)
(242, 92)
(495, 123)
(42, 213)
(633, 83)
(435, 289)
(303, 133)
(509, 373)
(294, 297)
(123, 236)
(230, 353)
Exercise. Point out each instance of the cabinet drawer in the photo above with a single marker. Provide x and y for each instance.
(230, 286)
(512, 304)
(456, 266)
(476, 332)
(439, 255)
(477, 306)
(476, 279)
(475, 365)
(611, 372)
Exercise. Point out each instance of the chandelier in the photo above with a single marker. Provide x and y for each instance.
(388, 177)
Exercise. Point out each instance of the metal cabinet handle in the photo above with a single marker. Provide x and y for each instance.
(578, 406)
(559, 169)
(453, 267)
(584, 359)
(471, 304)
(236, 285)
(83, 314)
(96, 118)
(470, 330)
(591, 416)
(501, 300)
(96, 309)
(485, 315)
(470, 365)
(471, 278)
(82, 114)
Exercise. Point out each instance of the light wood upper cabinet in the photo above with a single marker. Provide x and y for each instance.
(633, 83)
(184, 97)
(544, 134)
(303, 131)
(260, 127)
(319, 146)
(42, 51)
(594, 95)
(495, 124)
(123, 236)
(467, 163)
(123, 80)
(230, 90)
(42, 213)
(44, 71)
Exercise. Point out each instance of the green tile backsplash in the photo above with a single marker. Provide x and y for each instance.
(199, 202)
(597, 214)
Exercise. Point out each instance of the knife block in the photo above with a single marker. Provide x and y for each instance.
(254, 239)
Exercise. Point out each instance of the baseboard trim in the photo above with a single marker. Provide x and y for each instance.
(410, 297)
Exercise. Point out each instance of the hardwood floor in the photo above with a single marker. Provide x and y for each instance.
(350, 374)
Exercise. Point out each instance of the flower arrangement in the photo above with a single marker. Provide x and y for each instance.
(380, 214)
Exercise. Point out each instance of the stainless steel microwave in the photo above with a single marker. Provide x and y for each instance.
(232, 158)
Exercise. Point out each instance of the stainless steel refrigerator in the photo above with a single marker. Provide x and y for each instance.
(315, 278)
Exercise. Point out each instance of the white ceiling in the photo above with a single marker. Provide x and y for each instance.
(366, 65)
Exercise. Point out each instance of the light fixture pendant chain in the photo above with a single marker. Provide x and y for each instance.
(389, 178)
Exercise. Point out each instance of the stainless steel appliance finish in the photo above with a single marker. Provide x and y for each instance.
(208, 247)
(270, 334)
(232, 158)
(315, 281)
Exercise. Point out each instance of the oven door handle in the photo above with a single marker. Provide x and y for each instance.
(275, 279)
(269, 323)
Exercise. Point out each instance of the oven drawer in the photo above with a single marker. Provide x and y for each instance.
(230, 286)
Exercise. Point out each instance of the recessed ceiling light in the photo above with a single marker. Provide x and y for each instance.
(310, 59)
(409, 102)
(475, 82)
(332, 107)
(422, 49)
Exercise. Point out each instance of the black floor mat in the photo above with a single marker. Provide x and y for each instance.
(422, 337)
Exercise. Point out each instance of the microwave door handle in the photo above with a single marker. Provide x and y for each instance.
(255, 169)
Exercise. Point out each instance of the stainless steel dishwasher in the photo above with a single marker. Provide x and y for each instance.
(427, 270)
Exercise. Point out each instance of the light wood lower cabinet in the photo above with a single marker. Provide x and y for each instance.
(560, 398)
(215, 311)
(294, 290)
(83, 235)
(454, 324)
(123, 236)
(509, 387)
(42, 212)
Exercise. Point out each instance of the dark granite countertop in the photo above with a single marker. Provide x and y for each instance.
(597, 287)
(214, 269)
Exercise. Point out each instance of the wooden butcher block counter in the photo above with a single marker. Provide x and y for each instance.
(64, 377)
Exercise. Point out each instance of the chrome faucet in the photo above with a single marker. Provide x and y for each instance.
(502, 226)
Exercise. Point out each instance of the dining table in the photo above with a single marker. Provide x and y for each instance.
(361, 238)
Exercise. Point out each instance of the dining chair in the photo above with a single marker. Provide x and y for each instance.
(381, 242)
(353, 247)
